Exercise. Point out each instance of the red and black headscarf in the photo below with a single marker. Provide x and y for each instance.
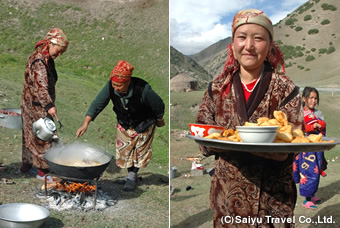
(274, 57)
(122, 72)
(55, 36)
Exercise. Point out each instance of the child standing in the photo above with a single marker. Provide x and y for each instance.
(308, 166)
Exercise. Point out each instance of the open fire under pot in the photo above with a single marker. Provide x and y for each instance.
(78, 168)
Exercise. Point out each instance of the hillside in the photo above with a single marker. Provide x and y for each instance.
(100, 33)
(180, 63)
(191, 208)
(309, 39)
(213, 57)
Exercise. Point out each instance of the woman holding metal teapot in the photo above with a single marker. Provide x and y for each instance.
(38, 99)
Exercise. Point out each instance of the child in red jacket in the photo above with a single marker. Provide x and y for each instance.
(310, 165)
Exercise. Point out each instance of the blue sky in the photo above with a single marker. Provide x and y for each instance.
(197, 24)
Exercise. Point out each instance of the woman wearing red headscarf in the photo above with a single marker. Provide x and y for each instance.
(138, 110)
(251, 187)
(38, 98)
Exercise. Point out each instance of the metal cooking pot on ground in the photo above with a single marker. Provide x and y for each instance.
(63, 161)
(10, 118)
(22, 215)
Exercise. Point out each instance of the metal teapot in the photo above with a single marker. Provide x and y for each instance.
(44, 129)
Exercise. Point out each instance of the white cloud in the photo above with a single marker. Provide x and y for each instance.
(194, 42)
(278, 16)
(279, 12)
(196, 24)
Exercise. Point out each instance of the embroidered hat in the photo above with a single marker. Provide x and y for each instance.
(274, 57)
(252, 16)
(121, 72)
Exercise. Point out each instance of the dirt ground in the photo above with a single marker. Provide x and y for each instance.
(137, 203)
(190, 208)
(132, 209)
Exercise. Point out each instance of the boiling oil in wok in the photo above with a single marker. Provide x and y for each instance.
(76, 155)
(84, 163)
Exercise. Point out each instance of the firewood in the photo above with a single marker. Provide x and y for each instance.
(49, 186)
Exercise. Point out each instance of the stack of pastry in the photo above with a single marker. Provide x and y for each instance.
(285, 133)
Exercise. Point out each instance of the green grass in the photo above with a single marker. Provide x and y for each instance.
(86, 65)
(326, 6)
(331, 112)
(183, 113)
(305, 7)
(192, 208)
(292, 51)
(290, 21)
(184, 108)
(136, 32)
(313, 31)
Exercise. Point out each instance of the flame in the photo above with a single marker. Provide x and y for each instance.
(75, 187)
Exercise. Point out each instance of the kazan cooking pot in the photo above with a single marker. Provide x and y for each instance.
(78, 160)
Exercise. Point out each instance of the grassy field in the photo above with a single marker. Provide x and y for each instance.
(190, 208)
(99, 36)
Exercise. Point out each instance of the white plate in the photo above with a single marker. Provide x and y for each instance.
(267, 147)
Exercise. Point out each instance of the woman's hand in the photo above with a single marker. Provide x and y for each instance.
(52, 111)
(40, 142)
(83, 128)
(160, 122)
(317, 126)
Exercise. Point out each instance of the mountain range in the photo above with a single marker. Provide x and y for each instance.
(308, 38)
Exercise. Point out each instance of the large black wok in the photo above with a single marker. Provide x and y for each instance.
(60, 161)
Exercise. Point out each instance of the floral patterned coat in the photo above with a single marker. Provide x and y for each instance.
(38, 97)
(247, 185)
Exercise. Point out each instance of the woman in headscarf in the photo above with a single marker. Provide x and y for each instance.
(251, 186)
(139, 109)
(38, 99)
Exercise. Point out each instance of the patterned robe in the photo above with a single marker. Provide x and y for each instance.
(245, 185)
(38, 96)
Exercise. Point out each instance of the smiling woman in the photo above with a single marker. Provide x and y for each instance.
(251, 45)
(253, 84)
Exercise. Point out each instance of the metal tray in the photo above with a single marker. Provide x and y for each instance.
(266, 147)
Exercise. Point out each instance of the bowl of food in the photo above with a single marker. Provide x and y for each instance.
(22, 215)
(257, 134)
(203, 130)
